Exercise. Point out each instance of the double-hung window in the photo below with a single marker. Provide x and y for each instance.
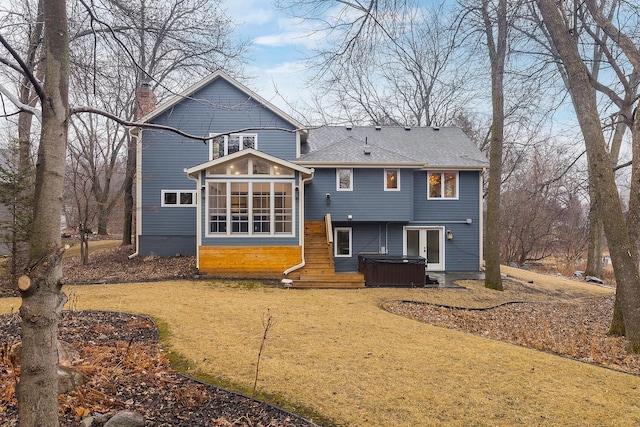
(223, 145)
(392, 180)
(178, 198)
(344, 179)
(442, 185)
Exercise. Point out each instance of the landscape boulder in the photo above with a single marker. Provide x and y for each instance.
(69, 379)
(126, 419)
(593, 279)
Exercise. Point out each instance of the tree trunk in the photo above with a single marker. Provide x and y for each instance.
(127, 228)
(84, 247)
(617, 322)
(584, 101)
(594, 251)
(497, 55)
(102, 224)
(42, 300)
(633, 216)
(633, 221)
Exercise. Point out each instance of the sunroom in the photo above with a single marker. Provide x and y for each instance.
(250, 214)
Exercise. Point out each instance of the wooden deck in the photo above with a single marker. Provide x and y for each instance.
(319, 271)
(248, 261)
(269, 262)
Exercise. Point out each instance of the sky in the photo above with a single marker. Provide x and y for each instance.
(279, 44)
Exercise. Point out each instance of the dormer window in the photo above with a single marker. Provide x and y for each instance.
(224, 145)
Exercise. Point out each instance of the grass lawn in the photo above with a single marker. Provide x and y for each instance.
(337, 353)
(94, 245)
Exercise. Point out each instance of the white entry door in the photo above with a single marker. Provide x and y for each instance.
(426, 242)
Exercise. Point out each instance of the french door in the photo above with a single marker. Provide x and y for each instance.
(426, 242)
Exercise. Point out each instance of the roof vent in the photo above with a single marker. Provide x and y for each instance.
(378, 127)
(436, 128)
(407, 128)
(367, 150)
(349, 127)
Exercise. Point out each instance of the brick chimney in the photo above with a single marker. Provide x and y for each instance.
(145, 100)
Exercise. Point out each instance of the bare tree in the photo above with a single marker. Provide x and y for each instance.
(84, 206)
(584, 100)
(409, 77)
(41, 287)
(98, 144)
(541, 212)
(496, 26)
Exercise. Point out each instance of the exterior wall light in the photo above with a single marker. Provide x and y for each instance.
(449, 235)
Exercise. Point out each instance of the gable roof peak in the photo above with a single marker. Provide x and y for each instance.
(220, 74)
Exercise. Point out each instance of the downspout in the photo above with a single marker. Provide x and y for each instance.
(199, 189)
(135, 133)
(481, 221)
(301, 221)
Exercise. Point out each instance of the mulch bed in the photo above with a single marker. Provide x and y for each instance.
(574, 328)
(128, 370)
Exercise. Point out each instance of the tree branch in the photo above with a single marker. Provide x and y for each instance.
(25, 70)
(21, 106)
(203, 138)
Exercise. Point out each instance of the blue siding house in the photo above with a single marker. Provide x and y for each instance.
(261, 195)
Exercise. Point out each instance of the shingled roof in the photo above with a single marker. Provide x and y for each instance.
(446, 147)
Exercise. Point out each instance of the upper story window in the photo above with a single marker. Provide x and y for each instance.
(344, 179)
(224, 145)
(392, 180)
(175, 198)
(443, 185)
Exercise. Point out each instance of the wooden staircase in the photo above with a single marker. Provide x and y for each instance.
(319, 271)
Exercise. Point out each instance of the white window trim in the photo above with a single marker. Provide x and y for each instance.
(250, 170)
(226, 142)
(194, 195)
(442, 186)
(250, 233)
(335, 242)
(385, 179)
(338, 179)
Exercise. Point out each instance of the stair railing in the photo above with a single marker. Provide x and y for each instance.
(329, 233)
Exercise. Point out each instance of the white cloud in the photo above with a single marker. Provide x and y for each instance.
(248, 12)
(293, 32)
(306, 39)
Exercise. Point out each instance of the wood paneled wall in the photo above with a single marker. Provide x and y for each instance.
(248, 261)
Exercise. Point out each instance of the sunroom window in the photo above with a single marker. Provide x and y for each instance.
(250, 208)
(250, 167)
